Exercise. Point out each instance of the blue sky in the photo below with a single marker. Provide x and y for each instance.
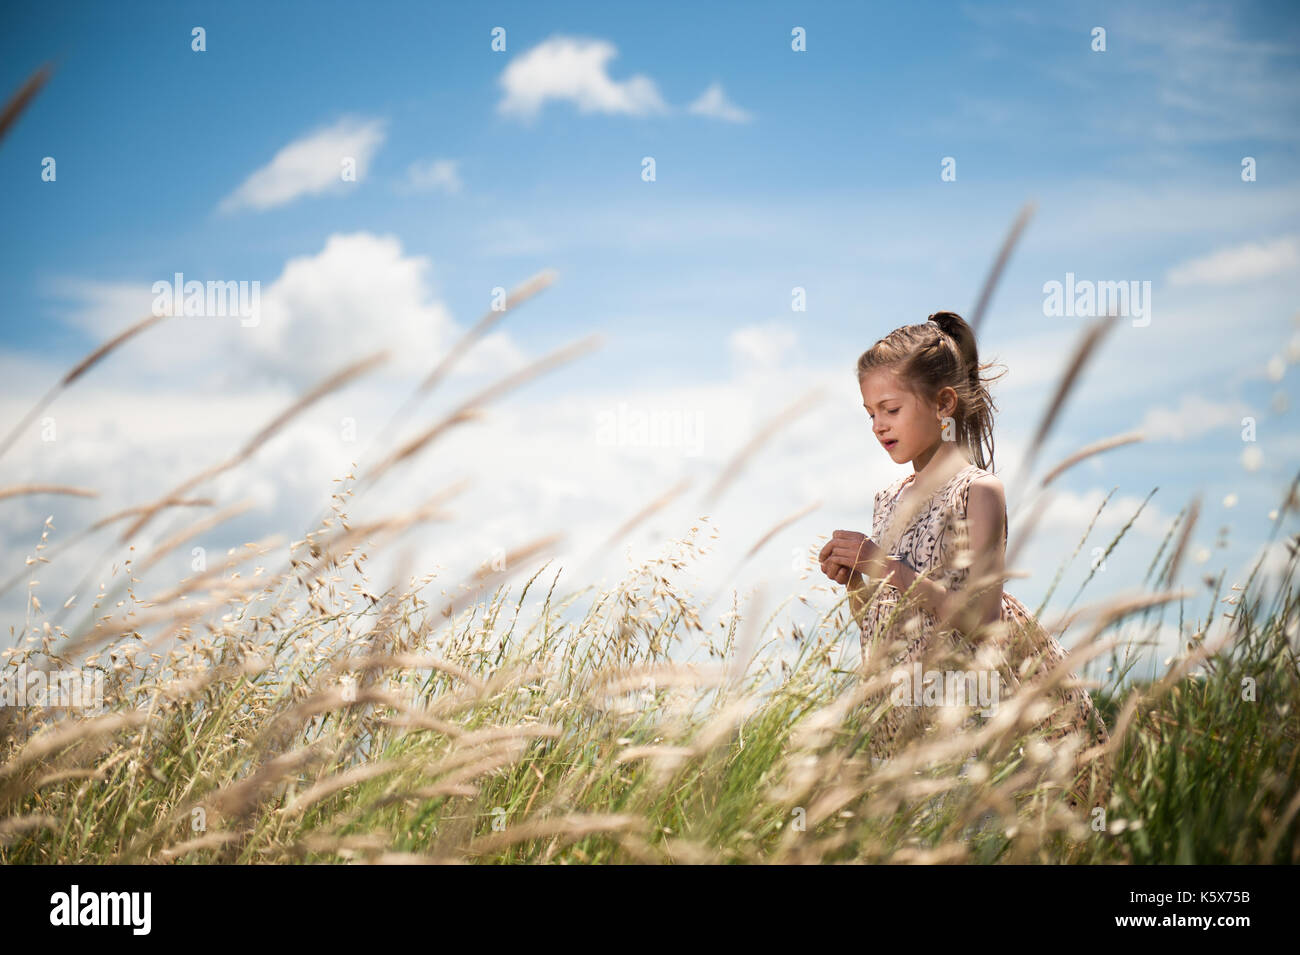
(775, 169)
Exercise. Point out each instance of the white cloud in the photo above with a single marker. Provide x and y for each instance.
(713, 102)
(434, 175)
(356, 294)
(574, 69)
(1068, 513)
(195, 348)
(1194, 416)
(1241, 263)
(763, 346)
(311, 165)
(360, 293)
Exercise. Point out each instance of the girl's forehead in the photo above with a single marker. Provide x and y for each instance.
(882, 381)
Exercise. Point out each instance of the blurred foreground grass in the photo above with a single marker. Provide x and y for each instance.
(342, 727)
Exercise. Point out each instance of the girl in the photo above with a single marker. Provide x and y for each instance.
(940, 527)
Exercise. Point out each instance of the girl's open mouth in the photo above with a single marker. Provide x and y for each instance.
(889, 445)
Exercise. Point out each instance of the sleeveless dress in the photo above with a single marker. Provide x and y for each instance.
(936, 541)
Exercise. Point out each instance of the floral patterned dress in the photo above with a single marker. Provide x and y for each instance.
(936, 541)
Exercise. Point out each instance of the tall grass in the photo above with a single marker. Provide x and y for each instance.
(485, 737)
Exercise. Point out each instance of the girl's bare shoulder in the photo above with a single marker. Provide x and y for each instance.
(987, 479)
(986, 500)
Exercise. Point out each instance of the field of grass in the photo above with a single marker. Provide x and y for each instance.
(339, 727)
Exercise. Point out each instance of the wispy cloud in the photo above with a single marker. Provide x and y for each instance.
(713, 102)
(762, 346)
(433, 175)
(312, 165)
(1222, 87)
(101, 309)
(1241, 263)
(1189, 77)
(1069, 513)
(574, 69)
(1194, 416)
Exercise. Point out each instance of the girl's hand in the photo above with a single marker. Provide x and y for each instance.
(848, 554)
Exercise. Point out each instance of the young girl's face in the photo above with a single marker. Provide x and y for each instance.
(905, 426)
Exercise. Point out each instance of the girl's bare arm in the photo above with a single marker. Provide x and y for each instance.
(986, 509)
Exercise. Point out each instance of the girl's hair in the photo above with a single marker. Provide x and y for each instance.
(940, 353)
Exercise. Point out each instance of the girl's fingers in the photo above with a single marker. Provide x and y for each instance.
(849, 557)
(837, 572)
(845, 554)
(855, 553)
(848, 546)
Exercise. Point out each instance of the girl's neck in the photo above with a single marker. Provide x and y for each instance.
(947, 457)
